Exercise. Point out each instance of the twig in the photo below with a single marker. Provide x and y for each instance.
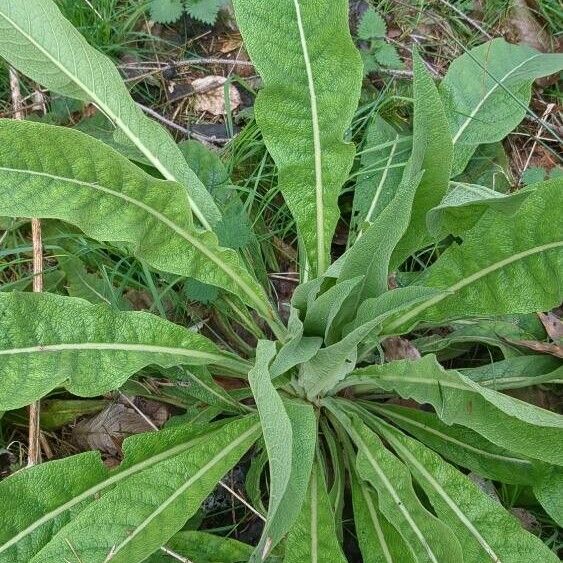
(466, 18)
(175, 555)
(34, 431)
(548, 110)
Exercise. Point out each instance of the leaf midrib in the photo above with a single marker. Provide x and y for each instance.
(154, 160)
(258, 303)
(142, 465)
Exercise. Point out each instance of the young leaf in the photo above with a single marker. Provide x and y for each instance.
(428, 539)
(290, 435)
(372, 25)
(166, 11)
(487, 90)
(461, 445)
(483, 527)
(313, 536)
(386, 55)
(54, 496)
(37, 40)
(432, 153)
(90, 349)
(500, 251)
(507, 422)
(204, 10)
(88, 184)
(306, 106)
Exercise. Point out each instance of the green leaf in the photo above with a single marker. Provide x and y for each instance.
(386, 55)
(432, 153)
(507, 422)
(166, 11)
(500, 251)
(483, 527)
(313, 536)
(312, 76)
(89, 349)
(427, 537)
(53, 505)
(383, 156)
(533, 175)
(290, 435)
(88, 184)
(461, 445)
(465, 204)
(489, 166)
(372, 25)
(204, 547)
(204, 10)
(487, 90)
(37, 40)
(548, 492)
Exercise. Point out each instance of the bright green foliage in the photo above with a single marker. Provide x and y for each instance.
(168, 11)
(306, 106)
(35, 37)
(76, 338)
(487, 90)
(469, 259)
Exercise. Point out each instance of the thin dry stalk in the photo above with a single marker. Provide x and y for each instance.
(34, 450)
(546, 113)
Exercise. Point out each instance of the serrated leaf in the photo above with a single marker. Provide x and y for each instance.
(372, 25)
(482, 525)
(91, 186)
(37, 40)
(500, 252)
(306, 106)
(166, 11)
(486, 92)
(313, 536)
(507, 422)
(290, 435)
(204, 10)
(89, 349)
(387, 55)
(68, 495)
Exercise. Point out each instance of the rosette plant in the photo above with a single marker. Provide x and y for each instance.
(317, 412)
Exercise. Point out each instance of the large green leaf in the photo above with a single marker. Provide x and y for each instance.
(428, 538)
(487, 90)
(51, 172)
(313, 536)
(312, 76)
(507, 422)
(432, 153)
(160, 483)
(548, 492)
(505, 265)
(37, 40)
(290, 435)
(48, 341)
(483, 527)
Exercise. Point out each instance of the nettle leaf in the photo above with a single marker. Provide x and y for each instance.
(204, 10)
(89, 185)
(372, 25)
(290, 435)
(465, 204)
(311, 90)
(313, 536)
(166, 11)
(462, 445)
(48, 341)
(483, 527)
(507, 422)
(500, 252)
(432, 153)
(387, 55)
(136, 507)
(383, 156)
(487, 90)
(37, 40)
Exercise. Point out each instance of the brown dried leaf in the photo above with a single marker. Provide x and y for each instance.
(553, 326)
(543, 347)
(397, 348)
(210, 95)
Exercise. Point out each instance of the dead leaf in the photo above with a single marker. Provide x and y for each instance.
(230, 44)
(544, 347)
(397, 348)
(210, 95)
(553, 326)
(527, 519)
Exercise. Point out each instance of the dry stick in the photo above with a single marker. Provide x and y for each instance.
(467, 19)
(548, 110)
(34, 448)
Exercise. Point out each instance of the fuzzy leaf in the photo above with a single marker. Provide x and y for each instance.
(548, 492)
(507, 422)
(204, 10)
(387, 55)
(483, 527)
(88, 184)
(37, 40)
(166, 11)
(312, 76)
(372, 25)
(48, 341)
(161, 482)
(487, 90)
(313, 536)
